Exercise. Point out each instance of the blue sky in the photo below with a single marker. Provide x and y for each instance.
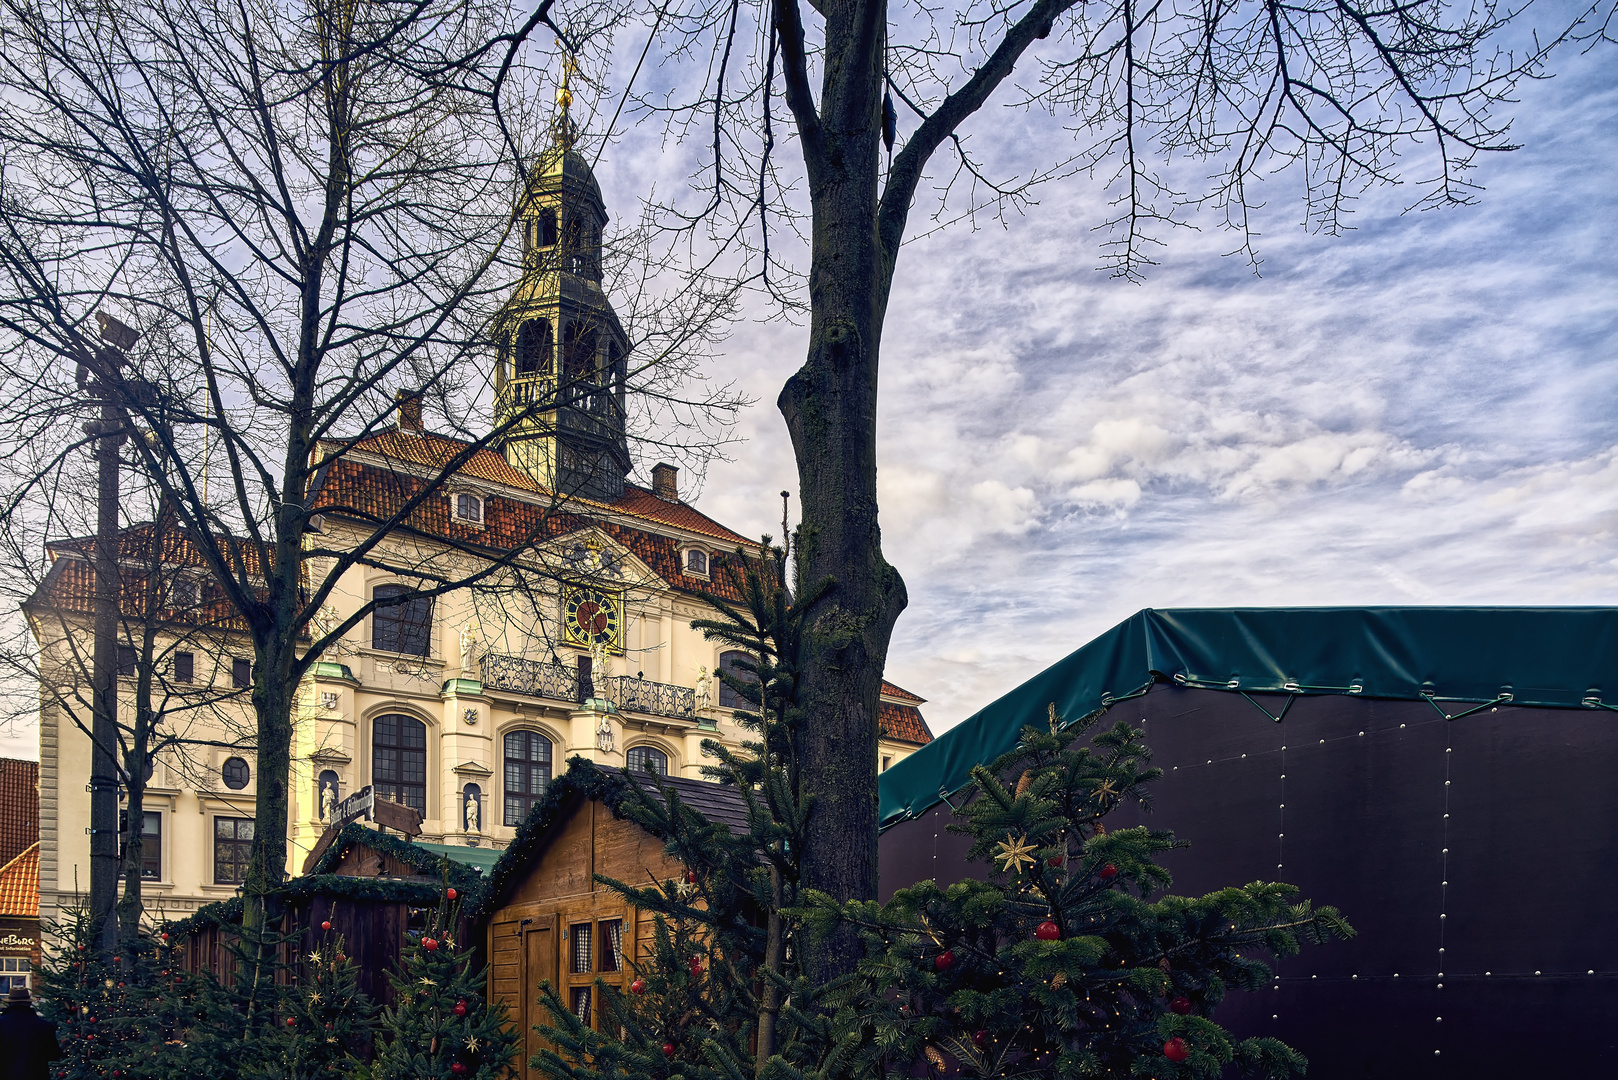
(1418, 412)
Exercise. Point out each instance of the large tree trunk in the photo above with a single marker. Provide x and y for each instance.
(830, 411)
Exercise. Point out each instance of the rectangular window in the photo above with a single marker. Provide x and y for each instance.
(151, 846)
(232, 844)
(185, 666)
(14, 972)
(581, 949)
(886, 761)
(547, 228)
(126, 660)
(241, 673)
(612, 945)
(403, 626)
(469, 508)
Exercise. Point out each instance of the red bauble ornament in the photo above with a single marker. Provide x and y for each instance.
(458, 1068)
(165, 937)
(1180, 1005)
(944, 960)
(696, 966)
(341, 958)
(292, 1021)
(638, 986)
(690, 877)
(1176, 1050)
(430, 944)
(1055, 860)
(460, 1008)
(1047, 931)
(450, 894)
(1107, 873)
(668, 1049)
(980, 1039)
(326, 924)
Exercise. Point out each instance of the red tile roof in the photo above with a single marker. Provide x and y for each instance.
(438, 451)
(19, 885)
(900, 693)
(902, 723)
(19, 807)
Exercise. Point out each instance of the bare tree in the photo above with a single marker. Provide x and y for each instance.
(305, 212)
(1344, 91)
(172, 631)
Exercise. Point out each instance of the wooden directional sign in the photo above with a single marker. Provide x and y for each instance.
(363, 805)
(353, 808)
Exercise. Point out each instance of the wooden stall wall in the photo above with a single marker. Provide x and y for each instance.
(559, 925)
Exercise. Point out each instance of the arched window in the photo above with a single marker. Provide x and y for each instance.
(399, 760)
(401, 627)
(578, 353)
(326, 794)
(696, 561)
(729, 662)
(469, 508)
(547, 227)
(528, 773)
(535, 339)
(641, 758)
(472, 808)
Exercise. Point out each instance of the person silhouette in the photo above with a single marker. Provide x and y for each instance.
(29, 1040)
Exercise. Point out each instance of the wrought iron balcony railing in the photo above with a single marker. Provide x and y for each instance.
(536, 678)
(560, 682)
(644, 696)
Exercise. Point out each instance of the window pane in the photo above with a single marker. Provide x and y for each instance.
(612, 945)
(581, 949)
(241, 673)
(581, 1003)
(184, 666)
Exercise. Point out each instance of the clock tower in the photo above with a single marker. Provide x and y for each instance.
(559, 386)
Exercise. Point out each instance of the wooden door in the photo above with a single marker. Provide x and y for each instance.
(539, 965)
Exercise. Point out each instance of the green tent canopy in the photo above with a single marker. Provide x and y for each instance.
(1457, 658)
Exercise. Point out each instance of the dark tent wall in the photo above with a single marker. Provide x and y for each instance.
(1475, 856)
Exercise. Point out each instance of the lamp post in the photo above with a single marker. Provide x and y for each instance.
(96, 375)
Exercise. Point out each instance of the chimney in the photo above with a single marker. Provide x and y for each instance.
(665, 482)
(409, 402)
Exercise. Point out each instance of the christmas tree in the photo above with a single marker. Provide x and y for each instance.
(1067, 960)
(439, 1025)
(324, 1024)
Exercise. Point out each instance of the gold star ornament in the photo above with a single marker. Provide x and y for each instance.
(1013, 853)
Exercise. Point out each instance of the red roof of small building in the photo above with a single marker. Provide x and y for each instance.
(19, 807)
(19, 885)
(899, 719)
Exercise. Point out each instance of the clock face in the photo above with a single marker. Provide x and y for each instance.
(592, 616)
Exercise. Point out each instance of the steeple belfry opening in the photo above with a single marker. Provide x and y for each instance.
(563, 356)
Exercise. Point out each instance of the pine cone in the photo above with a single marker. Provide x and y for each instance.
(1059, 980)
(1025, 782)
(1101, 830)
(933, 1057)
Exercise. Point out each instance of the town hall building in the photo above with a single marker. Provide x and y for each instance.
(463, 706)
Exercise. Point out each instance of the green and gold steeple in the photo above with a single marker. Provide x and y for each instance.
(562, 353)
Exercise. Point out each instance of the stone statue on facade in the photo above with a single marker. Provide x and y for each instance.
(328, 801)
(704, 688)
(474, 813)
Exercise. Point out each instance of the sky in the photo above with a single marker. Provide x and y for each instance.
(1421, 411)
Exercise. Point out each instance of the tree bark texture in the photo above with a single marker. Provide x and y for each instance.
(830, 410)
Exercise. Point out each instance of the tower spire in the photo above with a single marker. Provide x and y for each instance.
(564, 132)
(563, 354)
